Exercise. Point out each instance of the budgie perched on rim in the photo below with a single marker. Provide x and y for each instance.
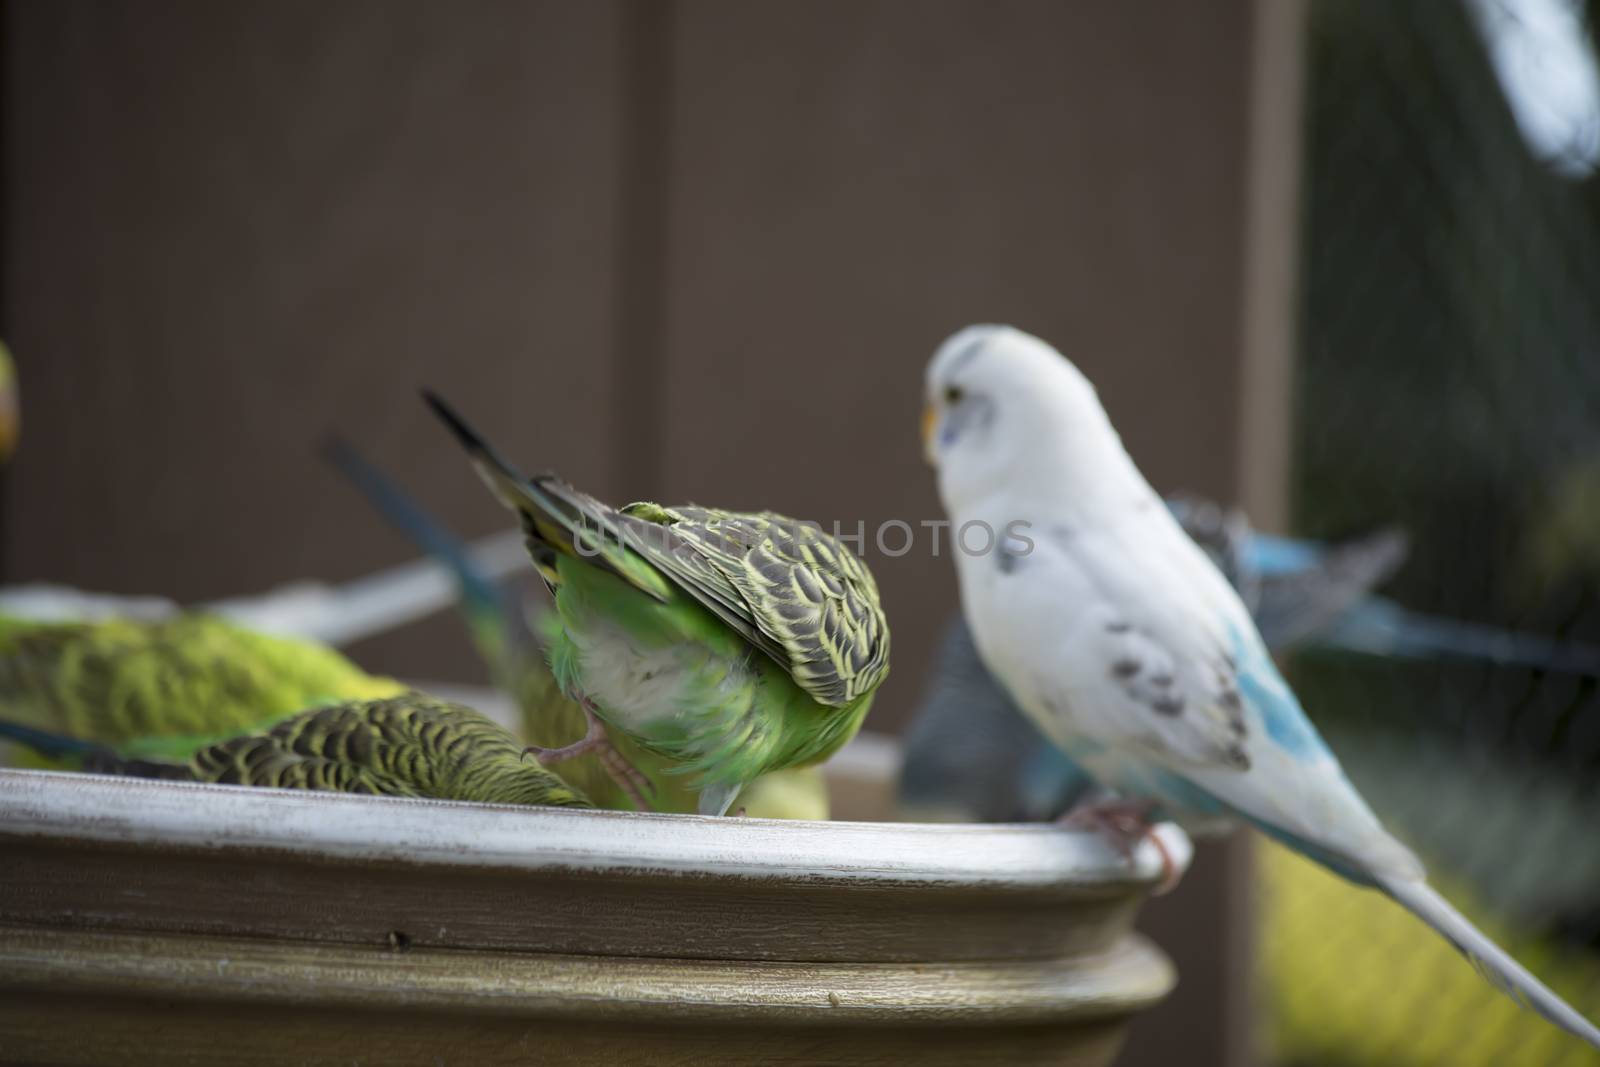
(170, 686)
(1124, 643)
(970, 754)
(734, 643)
(410, 745)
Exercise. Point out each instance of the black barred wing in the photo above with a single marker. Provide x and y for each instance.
(813, 603)
(349, 748)
(412, 745)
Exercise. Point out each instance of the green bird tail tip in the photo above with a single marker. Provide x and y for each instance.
(554, 516)
(479, 449)
(467, 435)
(504, 480)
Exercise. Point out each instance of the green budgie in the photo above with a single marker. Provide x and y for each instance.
(734, 643)
(168, 687)
(404, 746)
(514, 653)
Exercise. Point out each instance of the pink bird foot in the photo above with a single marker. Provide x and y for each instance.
(629, 778)
(1125, 823)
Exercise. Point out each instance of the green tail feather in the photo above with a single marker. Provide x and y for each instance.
(557, 519)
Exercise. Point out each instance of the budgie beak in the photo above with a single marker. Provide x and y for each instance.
(930, 421)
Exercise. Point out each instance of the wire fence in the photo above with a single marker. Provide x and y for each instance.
(1449, 382)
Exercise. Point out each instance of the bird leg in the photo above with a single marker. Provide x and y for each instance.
(1125, 823)
(629, 778)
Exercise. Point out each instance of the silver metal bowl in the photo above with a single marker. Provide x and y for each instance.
(153, 922)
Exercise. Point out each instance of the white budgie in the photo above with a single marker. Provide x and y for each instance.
(1127, 647)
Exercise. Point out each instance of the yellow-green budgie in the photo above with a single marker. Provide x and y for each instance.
(164, 689)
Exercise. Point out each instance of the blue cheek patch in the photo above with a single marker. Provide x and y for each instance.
(947, 434)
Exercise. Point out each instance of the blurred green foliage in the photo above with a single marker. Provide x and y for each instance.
(1448, 381)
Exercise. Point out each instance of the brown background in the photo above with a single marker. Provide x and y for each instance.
(694, 250)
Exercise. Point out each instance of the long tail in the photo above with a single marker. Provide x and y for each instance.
(555, 517)
(1493, 962)
(1383, 628)
(489, 610)
(93, 757)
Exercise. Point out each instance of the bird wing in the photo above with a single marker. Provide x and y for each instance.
(1133, 663)
(1163, 668)
(346, 748)
(1293, 606)
(1160, 699)
(637, 543)
(411, 745)
(1292, 785)
(804, 593)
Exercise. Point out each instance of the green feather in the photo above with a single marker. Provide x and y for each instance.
(407, 746)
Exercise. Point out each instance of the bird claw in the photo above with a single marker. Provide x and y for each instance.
(1126, 823)
(595, 740)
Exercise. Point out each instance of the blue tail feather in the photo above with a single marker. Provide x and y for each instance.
(478, 593)
(49, 745)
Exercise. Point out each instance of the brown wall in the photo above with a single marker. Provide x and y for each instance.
(695, 250)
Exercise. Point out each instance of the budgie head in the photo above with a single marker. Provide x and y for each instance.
(1003, 408)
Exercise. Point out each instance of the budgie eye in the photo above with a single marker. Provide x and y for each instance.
(953, 394)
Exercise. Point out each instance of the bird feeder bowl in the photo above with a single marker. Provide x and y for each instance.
(168, 923)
